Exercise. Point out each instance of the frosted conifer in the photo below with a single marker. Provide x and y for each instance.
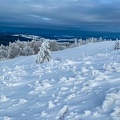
(117, 45)
(44, 53)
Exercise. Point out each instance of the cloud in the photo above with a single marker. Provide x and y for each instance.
(47, 19)
(85, 14)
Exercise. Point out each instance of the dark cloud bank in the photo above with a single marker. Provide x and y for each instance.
(92, 15)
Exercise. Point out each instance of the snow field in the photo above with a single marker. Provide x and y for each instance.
(77, 84)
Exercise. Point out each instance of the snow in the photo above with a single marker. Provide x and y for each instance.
(79, 83)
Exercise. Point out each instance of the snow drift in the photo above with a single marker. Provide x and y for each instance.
(79, 83)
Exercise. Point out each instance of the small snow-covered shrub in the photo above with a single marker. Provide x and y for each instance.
(3, 98)
(62, 113)
(113, 66)
(111, 105)
(5, 118)
(116, 114)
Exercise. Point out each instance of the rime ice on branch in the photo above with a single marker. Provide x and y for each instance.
(44, 53)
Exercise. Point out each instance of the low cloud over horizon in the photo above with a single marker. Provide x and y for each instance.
(77, 14)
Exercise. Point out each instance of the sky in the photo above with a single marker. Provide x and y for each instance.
(96, 15)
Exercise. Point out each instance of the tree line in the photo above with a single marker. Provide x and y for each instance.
(26, 48)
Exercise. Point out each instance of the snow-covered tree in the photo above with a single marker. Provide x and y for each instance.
(44, 53)
(76, 42)
(13, 50)
(53, 45)
(27, 50)
(21, 44)
(100, 39)
(117, 45)
(36, 46)
(80, 42)
(3, 52)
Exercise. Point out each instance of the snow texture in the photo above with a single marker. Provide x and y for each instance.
(81, 83)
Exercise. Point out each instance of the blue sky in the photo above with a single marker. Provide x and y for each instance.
(71, 14)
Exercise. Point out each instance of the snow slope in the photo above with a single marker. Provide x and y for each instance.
(77, 84)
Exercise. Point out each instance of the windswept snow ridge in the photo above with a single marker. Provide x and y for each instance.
(79, 83)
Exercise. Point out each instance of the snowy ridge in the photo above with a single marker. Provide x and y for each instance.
(79, 83)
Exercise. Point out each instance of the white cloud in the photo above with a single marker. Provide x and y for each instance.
(47, 19)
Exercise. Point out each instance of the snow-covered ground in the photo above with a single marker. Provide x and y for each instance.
(81, 83)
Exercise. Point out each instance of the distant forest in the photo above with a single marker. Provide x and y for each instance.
(61, 36)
